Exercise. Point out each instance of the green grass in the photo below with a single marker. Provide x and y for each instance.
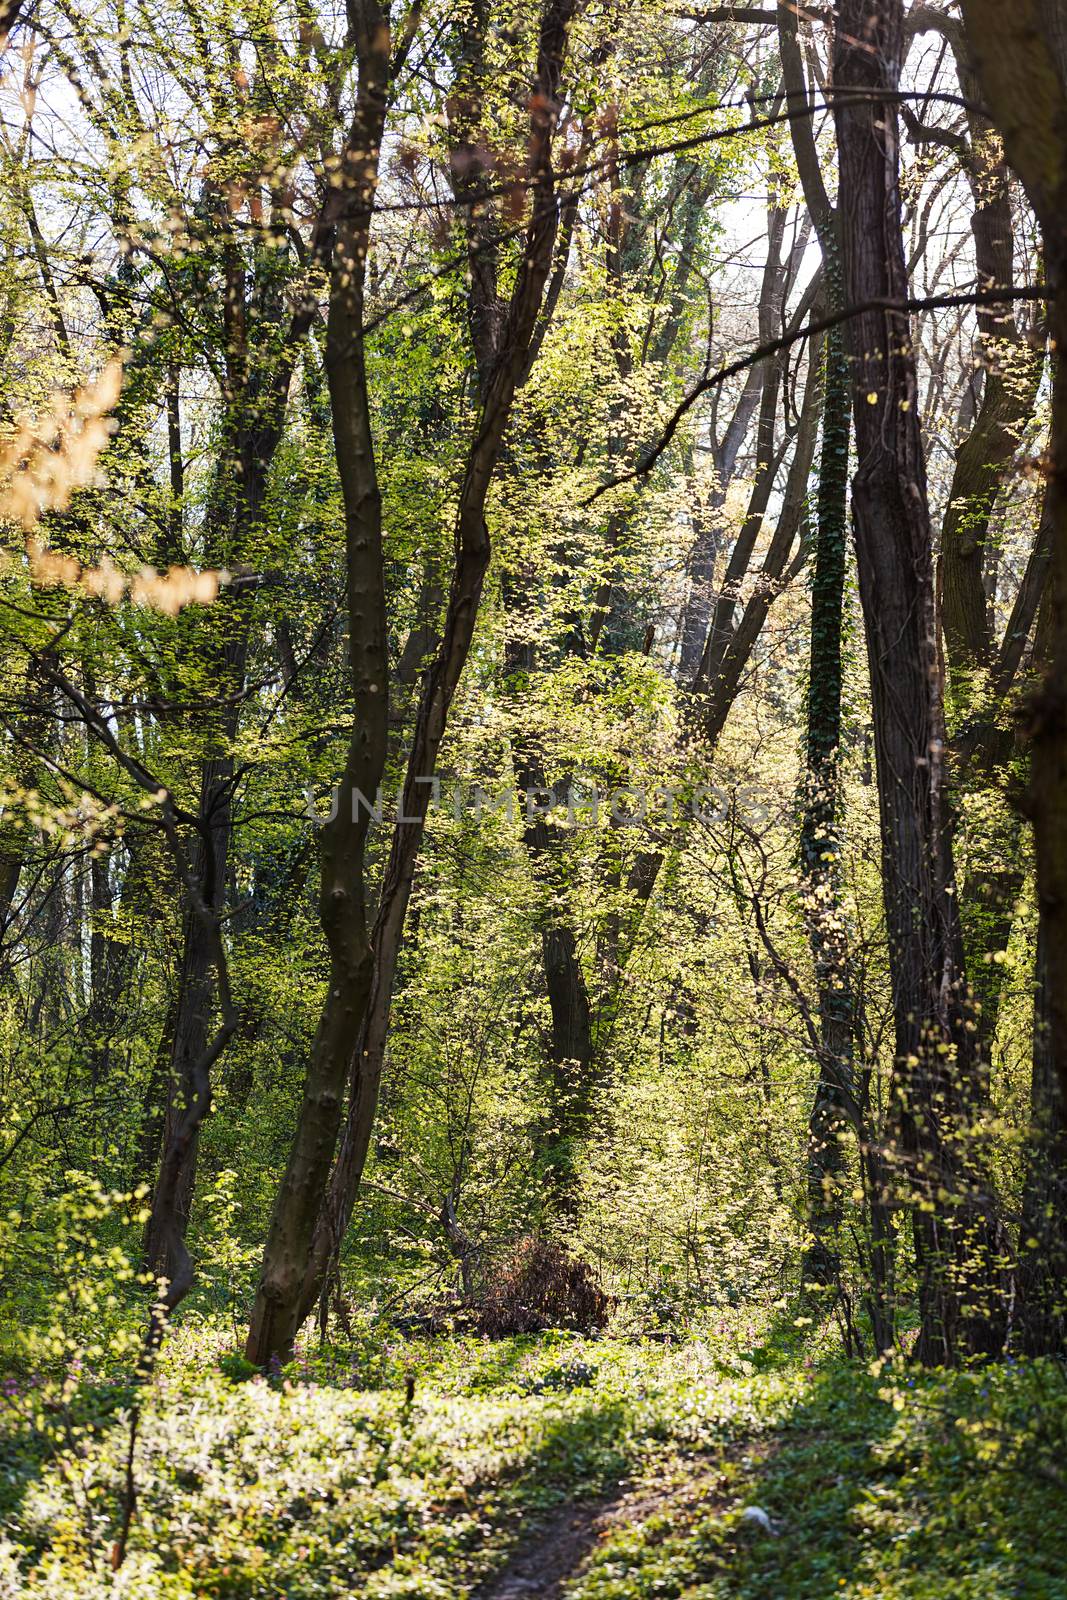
(325, 1483)
(953, 1496)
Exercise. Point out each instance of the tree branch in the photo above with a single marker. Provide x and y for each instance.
(944, 302)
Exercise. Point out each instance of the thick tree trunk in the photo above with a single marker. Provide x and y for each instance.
(1048, 721)
(1042, 1279)
(1012, 374)
(842, 1094)
(1019, 53)
(1013, 366)
(937, 1075)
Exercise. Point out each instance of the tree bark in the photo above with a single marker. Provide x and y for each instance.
(937, 1076)
(571, 1052)
(1018, 52)
(292, 1275)
(279, 1307)
(1042, 1274)
(820, 843)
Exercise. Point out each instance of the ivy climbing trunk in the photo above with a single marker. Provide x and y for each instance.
(819, 841)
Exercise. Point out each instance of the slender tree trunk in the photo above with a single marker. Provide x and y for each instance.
(703, 607)
(14, 837)
(113, 951)
(196, 1032)
(206, 1020)
(820, 842)
(517, 327)
(571, 1054)
(281, 1303)
(194, 1014)
(307, 1228)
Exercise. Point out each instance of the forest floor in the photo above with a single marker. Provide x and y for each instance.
(720, 1467)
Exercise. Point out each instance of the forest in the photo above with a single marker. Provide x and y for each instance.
(533, 799)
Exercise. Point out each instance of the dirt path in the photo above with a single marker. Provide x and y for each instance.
(554, 1548)
(551, 1551)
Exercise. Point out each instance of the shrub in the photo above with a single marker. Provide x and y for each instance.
(540, 1285)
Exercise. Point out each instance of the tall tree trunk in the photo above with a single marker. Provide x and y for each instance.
(571, 1054)
(295, 1268)
(517, 328)
(937, 1077)
(842, 1094)
(238, 498)
(279, 1305)
(1042, 1275)
(258, 379)
(1012, 369)
(820, 842)
(1018, 51)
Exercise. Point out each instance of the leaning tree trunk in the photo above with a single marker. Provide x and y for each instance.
(279, 1306)
(937, 1076)
(296, 1266)
(472, 560)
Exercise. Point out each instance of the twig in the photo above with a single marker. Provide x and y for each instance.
(943, 302)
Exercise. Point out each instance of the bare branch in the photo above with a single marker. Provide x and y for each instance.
(944, 302)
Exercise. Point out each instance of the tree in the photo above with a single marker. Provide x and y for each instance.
(1021, 66)
(938, 1072)
(308, 1228)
